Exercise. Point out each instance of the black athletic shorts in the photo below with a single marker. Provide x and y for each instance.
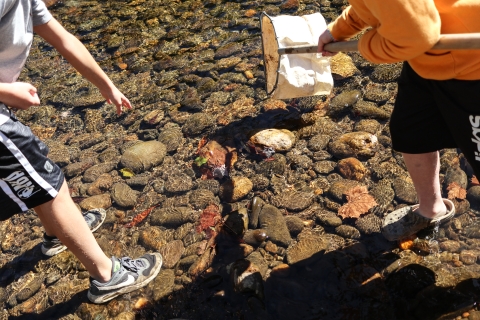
(27, 177)
(431, 115)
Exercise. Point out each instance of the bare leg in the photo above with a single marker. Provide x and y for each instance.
(424, 170)
(61, 218)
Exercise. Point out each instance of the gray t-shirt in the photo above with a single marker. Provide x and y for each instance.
(17, 19)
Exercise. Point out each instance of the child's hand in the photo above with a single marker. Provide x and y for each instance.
(19, 95)
(118, 99)
(325, 37)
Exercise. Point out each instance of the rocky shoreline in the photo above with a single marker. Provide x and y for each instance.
(253, 202)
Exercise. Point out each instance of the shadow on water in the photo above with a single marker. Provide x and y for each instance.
(20, 265)
(59, 310)
(359, 281)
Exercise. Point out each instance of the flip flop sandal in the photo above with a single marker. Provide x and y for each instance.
(405, 222)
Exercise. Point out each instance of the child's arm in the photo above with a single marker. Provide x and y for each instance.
(79, 57)
(19, 95)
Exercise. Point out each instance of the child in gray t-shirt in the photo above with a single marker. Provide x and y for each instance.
(28, 179)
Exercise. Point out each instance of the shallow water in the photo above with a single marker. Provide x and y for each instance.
(193, 70)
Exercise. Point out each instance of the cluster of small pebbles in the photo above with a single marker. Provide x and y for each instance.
(193, 71)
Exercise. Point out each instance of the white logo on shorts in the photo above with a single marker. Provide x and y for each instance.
(48, 166)
(21, 184)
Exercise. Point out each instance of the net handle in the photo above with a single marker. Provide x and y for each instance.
(447, 42)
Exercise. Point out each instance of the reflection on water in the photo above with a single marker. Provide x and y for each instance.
(272, 245)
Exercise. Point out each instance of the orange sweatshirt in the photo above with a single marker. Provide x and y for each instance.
(405, 30)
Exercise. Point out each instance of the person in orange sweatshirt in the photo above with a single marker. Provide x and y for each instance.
(438, 92)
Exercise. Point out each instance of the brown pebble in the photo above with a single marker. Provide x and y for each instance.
(457, 263)
(282, 270)
(248, 74)
(271, 247)
(260, 235)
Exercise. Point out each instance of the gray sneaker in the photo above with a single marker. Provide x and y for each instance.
(52, 245)
(405, 222)
(127, 275)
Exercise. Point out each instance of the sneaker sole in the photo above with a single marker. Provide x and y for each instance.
(54, 253)
(112, 295)
(104, 215)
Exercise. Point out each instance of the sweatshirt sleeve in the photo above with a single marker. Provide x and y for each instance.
(347, 25)
(406, 30)
(401, 29)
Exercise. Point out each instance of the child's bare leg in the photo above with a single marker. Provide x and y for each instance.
(424, 170)
(61, 218)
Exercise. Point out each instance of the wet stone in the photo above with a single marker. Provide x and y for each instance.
(178, 183)
(370, 110)
(260, 182)
(383, 193)
(101, 185)
(352, 168)
(299, 161)
(211, 185)
(469, 257)
(59, 154)
(172, 217)
(473, 196)
(201, 198)
(340, 187)
(386, 73)
(276, 166)
(123, 195)
(328, 218)
(154, 117)
(235, 189)
(324, 167)
(109, 155)
(274, 223)
(237, 221)
(455, 175)
(368, 125)
(277, 139)
(354, 144)
(347, 232)
(369, 224)
(258, 260)
(153, 238)
(318, 142)
(343, 102)
(255, 237)
(294, 224)
(293, 200)
(171, 138)
(247, 278)
(450, 246)
(342, 66)
(405, 191)
(377, 93)
(163, 284)
(256, 207)
(197, 249)
(197, 123)
(77, 168)
(143, 156)
(99, 201)
(171, 253)
(306, 250)
(138, 181)
(192, 238)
